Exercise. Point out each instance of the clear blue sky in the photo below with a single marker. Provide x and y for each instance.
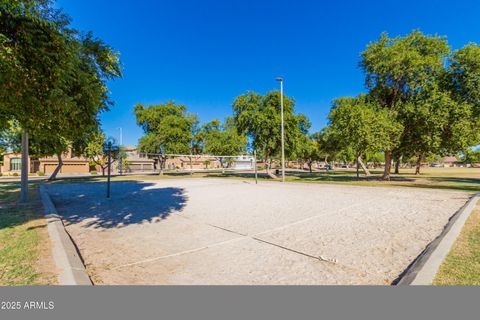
(205, 53)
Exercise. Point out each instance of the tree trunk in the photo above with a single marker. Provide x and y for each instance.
(191, 166)
(24, 173)
(162, 160)
(103, 170)
(159, 165)
(388, 165)
(418, 164)
(310, 166)
(397, 165)
(267, 167)
(326, 164)
(57, 169)
(358, 164)
(221, 165)
(364, 167)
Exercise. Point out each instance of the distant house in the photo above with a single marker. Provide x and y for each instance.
(137, 162)
(244, 163)
(12, 163)
(451, 161)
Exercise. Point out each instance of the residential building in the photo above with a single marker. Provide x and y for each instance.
(12, 163)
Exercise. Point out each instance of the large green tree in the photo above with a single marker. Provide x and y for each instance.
(328, 144)
(168, 128)
(433, 92)
(222, 140)
(464, 75)
(52, 78)
(32, 60)
(308, 151)
(93, 63)
(463, 81)
(397, 69)
(433, 123)
(362, 126)
(258, 117)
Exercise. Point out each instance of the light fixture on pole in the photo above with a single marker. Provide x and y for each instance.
(283, 135)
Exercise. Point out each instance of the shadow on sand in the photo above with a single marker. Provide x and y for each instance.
(130, 203)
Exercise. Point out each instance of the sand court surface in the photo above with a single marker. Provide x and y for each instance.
(227, 231)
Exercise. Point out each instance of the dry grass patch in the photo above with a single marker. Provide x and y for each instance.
(462, 265)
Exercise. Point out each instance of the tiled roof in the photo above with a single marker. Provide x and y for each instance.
(450, 159)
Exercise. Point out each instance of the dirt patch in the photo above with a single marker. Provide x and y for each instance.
(45, 264)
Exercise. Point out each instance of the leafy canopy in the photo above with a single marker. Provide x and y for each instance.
(358, 124)
(222, 140)
(435, 102)
(59, 75)
(168, 128)
(258, 117)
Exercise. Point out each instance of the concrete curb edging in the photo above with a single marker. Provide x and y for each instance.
(66, 256)
(423, 269)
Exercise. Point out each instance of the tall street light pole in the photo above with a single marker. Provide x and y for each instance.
(283, 135)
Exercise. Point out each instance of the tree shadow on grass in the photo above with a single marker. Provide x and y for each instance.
(440, 183)
(342, 175)
(14, 213)
(456, 180)
(130, 203)
(345, 176)
(313, 176)
(423, 182)
(455, 187)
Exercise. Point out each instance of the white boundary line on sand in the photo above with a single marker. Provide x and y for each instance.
(244, 236)
(425, 267)
(71, 270)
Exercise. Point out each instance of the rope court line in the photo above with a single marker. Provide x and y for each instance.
(253, 237)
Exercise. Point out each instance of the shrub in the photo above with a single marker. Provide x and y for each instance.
(1, 174)
(40, 173)
(15, 174)
(93, 172)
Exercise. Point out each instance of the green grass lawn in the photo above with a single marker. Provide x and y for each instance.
(459, 179)
(462, 265)
(25, 257)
